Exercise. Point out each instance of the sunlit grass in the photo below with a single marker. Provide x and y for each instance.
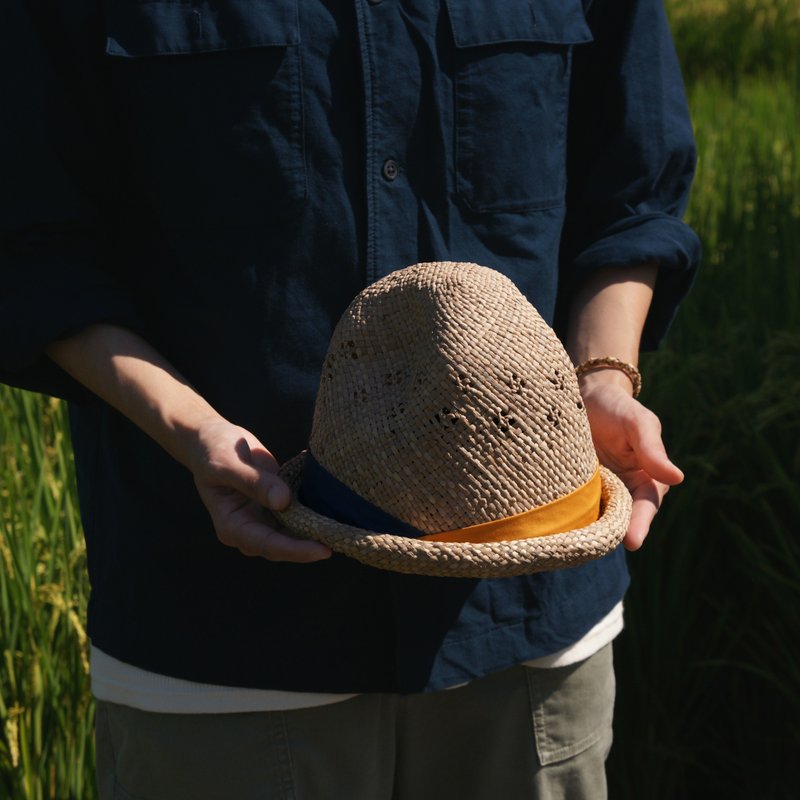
(730, 39)
(709, 671)
(45, 747)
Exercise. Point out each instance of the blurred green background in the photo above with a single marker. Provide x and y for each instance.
(708, 668)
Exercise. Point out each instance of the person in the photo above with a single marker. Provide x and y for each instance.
(193, 192)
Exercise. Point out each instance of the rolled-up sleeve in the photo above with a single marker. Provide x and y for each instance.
(57, 195)
(631, 158)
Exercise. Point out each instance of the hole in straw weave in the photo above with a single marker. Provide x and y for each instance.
(557, 379)
(517, 383)
(446, 417)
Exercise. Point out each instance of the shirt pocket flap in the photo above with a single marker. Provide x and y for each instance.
(481, 22)
(137, 29)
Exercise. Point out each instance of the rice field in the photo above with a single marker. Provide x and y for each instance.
(46, 748)
(708, 666)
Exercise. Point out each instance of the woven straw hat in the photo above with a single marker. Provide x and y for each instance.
(446, 401)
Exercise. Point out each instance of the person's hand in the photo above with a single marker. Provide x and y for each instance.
(237, 479)
(627, 437)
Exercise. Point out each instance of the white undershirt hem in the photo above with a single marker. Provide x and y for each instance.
(597, 637)
(117, 682)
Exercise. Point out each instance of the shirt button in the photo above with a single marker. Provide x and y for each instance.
(390, 169)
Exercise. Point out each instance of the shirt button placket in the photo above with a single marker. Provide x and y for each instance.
(378, 38)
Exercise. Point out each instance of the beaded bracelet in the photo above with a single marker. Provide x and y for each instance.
(609, 362)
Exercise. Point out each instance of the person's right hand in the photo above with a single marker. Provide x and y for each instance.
(236, 476)
(237, 479)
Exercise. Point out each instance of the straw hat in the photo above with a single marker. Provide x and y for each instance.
(446, 401)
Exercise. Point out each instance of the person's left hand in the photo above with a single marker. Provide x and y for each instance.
(627, 437)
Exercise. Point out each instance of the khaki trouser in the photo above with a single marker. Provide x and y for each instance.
(523, 733)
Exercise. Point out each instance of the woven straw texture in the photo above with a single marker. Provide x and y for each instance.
(447, 401)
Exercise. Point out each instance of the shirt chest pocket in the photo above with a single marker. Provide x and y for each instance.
(209, 95)
(511, 82)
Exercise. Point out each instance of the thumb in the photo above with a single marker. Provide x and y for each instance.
(650, 451)
(255, 474)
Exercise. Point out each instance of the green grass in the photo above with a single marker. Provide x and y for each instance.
(708, 666)
(732, 39)
(46, 747)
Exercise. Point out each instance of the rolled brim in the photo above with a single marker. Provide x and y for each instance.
(464, 559)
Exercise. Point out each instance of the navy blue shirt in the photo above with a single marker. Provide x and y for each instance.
(224, 177)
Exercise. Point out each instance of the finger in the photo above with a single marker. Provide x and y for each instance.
(255, 538)
(650, 451)
(257, 479)
(262, 459)
(242, 523)
(259, 540)
(268, 489)
(647, 497)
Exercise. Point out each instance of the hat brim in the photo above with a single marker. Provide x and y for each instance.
(464, 559)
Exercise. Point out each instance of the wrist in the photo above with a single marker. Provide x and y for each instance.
(600, 379)
(618, 372)
(184, 430)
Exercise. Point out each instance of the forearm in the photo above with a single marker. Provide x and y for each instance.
(607, 317)
(130, 375)
(235, 475)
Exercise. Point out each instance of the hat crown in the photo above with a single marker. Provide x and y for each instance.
(447, 401)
